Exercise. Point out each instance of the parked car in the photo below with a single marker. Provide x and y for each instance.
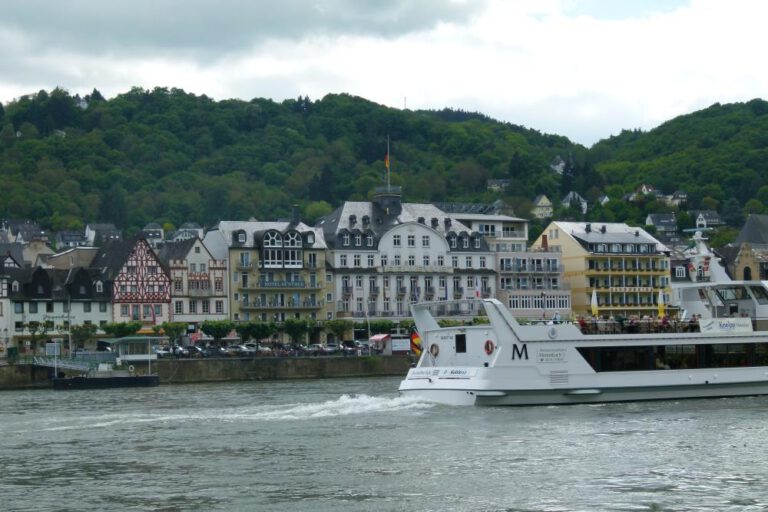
(195, 351)
(179, 351)
(333, 348)
(317, 349)
(352, 347)
(214, 351)
(237, 350)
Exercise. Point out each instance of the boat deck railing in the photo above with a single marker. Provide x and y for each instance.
(647, 326)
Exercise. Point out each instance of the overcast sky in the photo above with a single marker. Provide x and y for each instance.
(585, 69)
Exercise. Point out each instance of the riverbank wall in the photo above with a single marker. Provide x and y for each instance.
(183, 371)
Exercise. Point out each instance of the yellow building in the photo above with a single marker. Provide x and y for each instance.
(277, 269)
(621, 268)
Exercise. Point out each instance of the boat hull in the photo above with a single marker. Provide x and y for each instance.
(135, 381)
(565, 396)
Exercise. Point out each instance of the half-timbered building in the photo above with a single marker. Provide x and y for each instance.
(139, 283)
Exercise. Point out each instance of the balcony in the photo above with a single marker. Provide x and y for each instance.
(429, 292)
(282, 284)
(243, 265)
(402, 291)
(374, 291)
(458, 293)
(286, 305)
(346, 290)
(197, 292)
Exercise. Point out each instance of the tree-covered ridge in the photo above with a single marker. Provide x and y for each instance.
(718, 155)
(169, 156)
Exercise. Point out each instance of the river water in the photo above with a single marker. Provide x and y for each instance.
(354, 445)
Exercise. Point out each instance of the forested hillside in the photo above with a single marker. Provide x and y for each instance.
(718, 155)
(169, 156)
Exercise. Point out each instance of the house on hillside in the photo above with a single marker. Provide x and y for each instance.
(101, 233)
(66, 239)
(666, 227)
(24, 231)
(497, 185)
(574, 199)
(706, 219)
(542, 207)
(154, 234)
(186, 231)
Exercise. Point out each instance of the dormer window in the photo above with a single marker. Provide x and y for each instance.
(465, 243)
(310, 238)
(99, 287)
(369, 240)
(15, 286)
(453, 242)
(358, 240)
(273, 239)
(477, 243)
(345, 240)
(241, 238)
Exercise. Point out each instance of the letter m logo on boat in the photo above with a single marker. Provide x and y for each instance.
(520, 353)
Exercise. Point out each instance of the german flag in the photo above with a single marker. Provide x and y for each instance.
(415, 342)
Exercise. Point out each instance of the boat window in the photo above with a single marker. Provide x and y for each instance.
(760, 294)
(732, 293)
(461, 343)
(675, 357)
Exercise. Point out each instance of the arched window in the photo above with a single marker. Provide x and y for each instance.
(292, 239)
(273, 239)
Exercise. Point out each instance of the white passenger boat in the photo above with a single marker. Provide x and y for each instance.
(506, 363)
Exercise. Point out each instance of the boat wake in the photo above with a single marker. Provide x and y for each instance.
(346, 405)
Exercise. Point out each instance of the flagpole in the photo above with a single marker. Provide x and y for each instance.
(388, 166)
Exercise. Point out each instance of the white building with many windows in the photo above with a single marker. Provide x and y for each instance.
(198, 282)
(384, 255)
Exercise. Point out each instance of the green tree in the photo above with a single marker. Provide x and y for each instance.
(173, 330)
(263, 330)
(296, 329)
(121, 329)
(82, 334)
(752, 206)
(339, 328)
(217, 329)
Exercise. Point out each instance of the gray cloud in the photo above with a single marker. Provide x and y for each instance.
(205, 29)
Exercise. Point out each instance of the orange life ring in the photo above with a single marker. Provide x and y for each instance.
(434, 349)
(489, 347)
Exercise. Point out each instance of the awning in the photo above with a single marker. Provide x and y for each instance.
(376, 338)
